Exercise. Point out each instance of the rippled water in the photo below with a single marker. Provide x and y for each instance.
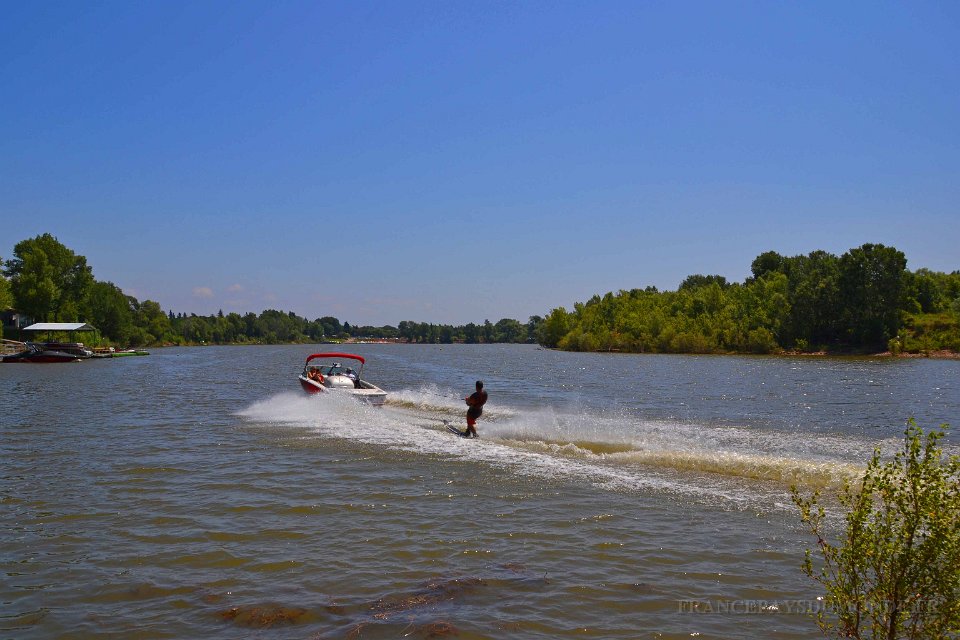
(198, 493)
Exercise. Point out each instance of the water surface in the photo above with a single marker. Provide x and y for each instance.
(198, 493)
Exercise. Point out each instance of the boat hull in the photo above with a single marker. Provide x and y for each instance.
(367, 392)
(75, 349)
(41, 357)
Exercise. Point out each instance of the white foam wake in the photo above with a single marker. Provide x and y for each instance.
(618, 452)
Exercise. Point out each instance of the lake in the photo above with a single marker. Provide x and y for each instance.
(198, 492)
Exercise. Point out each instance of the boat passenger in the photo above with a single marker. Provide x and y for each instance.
(315, 375)
(350, 373)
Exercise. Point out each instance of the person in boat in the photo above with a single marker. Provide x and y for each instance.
(475, 401)
(350, 373)
(315, 375)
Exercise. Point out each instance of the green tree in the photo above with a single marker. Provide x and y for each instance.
(108, 309)
(698, 280)
(768, 262)
(925, 292)
(895, 572)
(554, 328)
(151, 324)
(6, 297)
(331, 326)
(49, 281)
(509, 330)
(192, 329)
(533, 327)
(870, 294)
(813, 298)
(33, 286)
(237, 328)
(472, 333)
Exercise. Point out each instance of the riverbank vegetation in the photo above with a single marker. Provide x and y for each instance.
(865, 301)
(49, 282)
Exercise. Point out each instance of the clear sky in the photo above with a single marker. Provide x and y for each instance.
(454, 162)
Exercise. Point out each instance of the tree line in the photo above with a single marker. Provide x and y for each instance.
(863, 301)
(47, 281)
(278, 327)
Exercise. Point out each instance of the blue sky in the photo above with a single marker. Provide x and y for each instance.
(454, 162)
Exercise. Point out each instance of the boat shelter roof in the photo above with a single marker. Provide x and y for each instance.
(59, 326)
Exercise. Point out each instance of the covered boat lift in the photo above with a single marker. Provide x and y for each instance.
(73, 347)
(33, 351)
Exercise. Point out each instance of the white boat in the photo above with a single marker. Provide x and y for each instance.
(325, 372)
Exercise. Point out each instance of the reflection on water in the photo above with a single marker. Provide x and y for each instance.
(196, 492)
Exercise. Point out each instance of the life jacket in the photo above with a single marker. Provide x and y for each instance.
(479, 399)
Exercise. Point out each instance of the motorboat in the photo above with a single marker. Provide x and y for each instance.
(38, 352)
(123, 353)
(324, 372)
(74, 348)
(111, 352)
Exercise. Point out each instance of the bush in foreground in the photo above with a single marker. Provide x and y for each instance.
(895, 571)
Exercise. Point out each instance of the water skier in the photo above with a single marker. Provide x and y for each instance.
(475, 401)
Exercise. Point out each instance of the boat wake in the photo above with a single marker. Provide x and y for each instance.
(739, 465)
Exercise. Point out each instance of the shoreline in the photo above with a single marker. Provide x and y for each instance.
(940, 354)
(937, 354)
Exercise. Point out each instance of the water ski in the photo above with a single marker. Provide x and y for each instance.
(453, 429)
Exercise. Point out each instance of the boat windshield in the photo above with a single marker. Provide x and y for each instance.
(334, 368)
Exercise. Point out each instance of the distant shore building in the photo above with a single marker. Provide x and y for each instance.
(12, 321)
